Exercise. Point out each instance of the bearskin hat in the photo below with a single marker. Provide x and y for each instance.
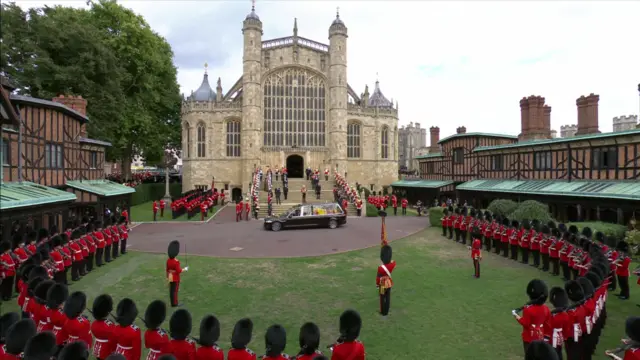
(126, 312)
(167, 357)
(155, 314)
(450, 208)
(43, 233)
(53, 230)
(555, 232)
(350, 324)
(540, 350)
(479, 215)
(526, 224)
(56, 241)
(31, 237)
(566, 236)
(622, 246)
(320, 357)
(488, 218)
(558, 297)
(38, 271)
(25, 269)
(275, 340)
(75, 304)
(586, 245)
(40, 292)
(385, 254)
(18, 335)
(180, 324)
(209, 330)
(574, 290)
(32, 285)
(382, 213)
(122, 220)
(106, 222)
(632, 328)
(594, 278)
(505, 222)
(76, 234)
(586, 232)
(16, 240)
(599, 236)
(472, 212)
(6, 321)
(5, 246)
(43, 253)
(551, 225)
(74, 351)
(115, 356)
(102, 307)
(445, 212)
(515, 224)
(97, 224)
(573, 229)
(562, 227)
(587, 287)
(537, 291)
(309, 338)
(90, 227)
(241, 335)
(57, 295)
(174, 249)
(41, 346)
(498, 219)
(65, 238)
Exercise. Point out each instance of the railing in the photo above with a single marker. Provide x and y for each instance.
(269, 44)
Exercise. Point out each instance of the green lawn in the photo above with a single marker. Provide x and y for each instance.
(438, 311)
(144, 213)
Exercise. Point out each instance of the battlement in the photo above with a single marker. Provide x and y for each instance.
(568, 130)
(625, 119)
(375, 111)
(568, 127)
(189, 106)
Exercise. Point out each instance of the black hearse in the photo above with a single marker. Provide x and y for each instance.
(328, 215)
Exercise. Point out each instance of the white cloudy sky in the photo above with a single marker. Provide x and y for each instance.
(447, 63)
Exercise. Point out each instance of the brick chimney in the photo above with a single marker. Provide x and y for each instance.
(435, 137)
(546, 121)
(535, 118)
(76, 103)
(587, 114)
(461, 130)
(524, 119)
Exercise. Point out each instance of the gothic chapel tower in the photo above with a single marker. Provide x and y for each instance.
(338, 94)
(252, 93)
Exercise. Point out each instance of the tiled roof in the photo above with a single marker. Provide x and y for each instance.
(50, 104)
(478, 134)
(94, 141)
(426, 184)
(18, 195)
(430, 155)
(101, 187)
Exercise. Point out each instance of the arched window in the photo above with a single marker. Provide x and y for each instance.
(294, 109)
(233, 138)
(201, 140)
(384, 153)
(187, 144)
(353, 140)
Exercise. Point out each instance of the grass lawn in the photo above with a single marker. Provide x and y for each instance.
(144, 213)
(439, 311)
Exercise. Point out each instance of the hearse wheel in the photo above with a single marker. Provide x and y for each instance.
(276, 226)
(333, 223)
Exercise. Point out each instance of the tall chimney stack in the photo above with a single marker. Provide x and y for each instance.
(587, 114)
(524, 119)
(76, 103)
(535, 118)
(435, 137)
(547, 121)
(461, 130)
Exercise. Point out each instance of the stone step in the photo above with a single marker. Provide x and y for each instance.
(326, 195)
(296, 186)
(278, 209)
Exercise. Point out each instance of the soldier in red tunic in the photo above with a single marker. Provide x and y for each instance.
(76, 350)
(631, 347)
(126, 335)
(238, 211)
(40, 312)
(173, 271)
(77, 327)
(56, 296)
(540, 350)
(384, 282)
(525, 241)
(476, 251)
(505, 233)
(162, 204)
(155, 338)
(40, 346)
(16, 339)
(404, 204)
(240, 338)
(102, 328)
(7, 271)
(209, 335)
(155, 210)
(514, 239)
(124, 230)
(560, 320)
(275, 341)
(347, 347)
(573, 335)
(443, 221)
(309, 340)
(535, 314)
(100, 243)
(181, 346)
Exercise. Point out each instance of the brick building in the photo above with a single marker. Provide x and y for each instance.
(51, 170)
(589, 176)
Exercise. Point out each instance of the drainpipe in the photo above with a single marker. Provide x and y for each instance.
(19, 145)
(1, 160)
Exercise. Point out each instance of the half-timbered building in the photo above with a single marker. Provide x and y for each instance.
(591, 176)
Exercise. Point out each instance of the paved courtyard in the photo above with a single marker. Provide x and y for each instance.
(223, 237)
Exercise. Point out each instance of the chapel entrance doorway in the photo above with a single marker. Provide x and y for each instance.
(295, 166)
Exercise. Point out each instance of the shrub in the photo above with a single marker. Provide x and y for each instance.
(530, 210)
(435, 214)
(633, 238)
(614, 232)
(371, 210)
(502, 207)
(151, 192)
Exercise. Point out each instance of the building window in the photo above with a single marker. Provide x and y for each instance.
(542, 160)
(201, 140)
(201, 187)
(384, 152)
(604, 158)
(53, 156)
(187, 145)
(431, 168)
(93, 160)
(497, 162)
(233, 138)
(458, 155)
(353, 140)
(6, 155)
(294, 109)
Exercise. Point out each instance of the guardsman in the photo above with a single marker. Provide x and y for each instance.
(404, 204)
(203, 210)
(345, 204)
(240, 339)
(326, 174)
(535, 314)
(540, 350)
(57, 295)
(124, 230)
(497, 234)
(450, 221)
(476, 251)
(309, 340)
(181, 345)
(239, 208)
(347, 347)
(91, 244)
(560, 319)
(554, 251)
(173, 271)
(525, 241)
(456, 223)
(589, 340)
(102, 328)
(247, 209)
(77, 326)
(504, 237)
(8, 271)
(208, 340)
(535, 237)
(487, 230)
(514, 239)
(162, 204)
(74, 351)
(155, 338)
(76, 256)
(155, 210)
(16, 339)
(444, 220)
(127, 336)
(109, 240)
(359, 207)
(632, 348)
(573, 336)
(622, 269)
(40, 347)
(275, 341)
(464, 225)
(384, 281)
(394, 203)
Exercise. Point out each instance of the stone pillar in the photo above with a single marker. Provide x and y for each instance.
(338, 94)
(598, 213)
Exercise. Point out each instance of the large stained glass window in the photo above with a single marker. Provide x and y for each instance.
(353, 140)
(233, 138)
(294, 109)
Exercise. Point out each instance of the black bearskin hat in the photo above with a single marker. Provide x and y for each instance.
(350, 324)
(595, 279)
(41, 346)
(385, 254)
(56, 295)
(74, 351)
(489, 218)
(562, 227)
(25, 269)
(622, 246)
(43, 233)
(320, 357)
(537, 291)
(632, 328)
(97, 224)
(6, 321)
(167, 357)
(53, 230)
(309, 338)
(43, 253)
(545, 230)
(472, 212)
(555, 232)
(450, 208)
(586, 245)
(209, 330)
(573, 229)
(174, 249)
(574, 290)
(445, 212)
(275, 340)
(382, 213)
(32, 285)
(540, 350)
(526, 224)
(498, 219)
(115, 356)
(68, 225)
(126, 312)
(40, 292)
(479, 215)
(558, 297)
(515, 224)
(551, 225)
(599, 236)
(90, 227)
(241, 335)
(487, 213)
(65, 238)
(586, 232)
(5, 246)
(155, 314)
(566, 236)
(505, 222)
(56, 241)
(102, 306)
(587, 287)
(75, 304)
(31, 237)
(465, 211)
(107, 221)
(180, 324)
(76, 234)
(16, 241)
(18, 335)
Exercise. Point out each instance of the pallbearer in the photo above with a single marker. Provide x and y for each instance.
(173, 271)
(384, 281)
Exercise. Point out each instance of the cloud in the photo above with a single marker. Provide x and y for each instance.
(447, 63)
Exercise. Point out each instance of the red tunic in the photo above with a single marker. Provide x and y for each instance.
(353, 350)
(632, 354)
(22, 295)
(100, 243)
(308, 357)
(404, 203)
(241, 354)
(79, 329)
(505, 234)
(181, 349)
(66, 256)
(77, 251)
(103, 330)
(535, 319)
(128, 340)
(44, 316)
(279, 357)
(21, 254)
(381, 273)
(90, 243)
(10, 268)
(476, 249)
(107, 236)
(156, 340)
(58, 320)
(173, 266)
(209, 353)
(558, 324)
(575, 330)
(5, 356)
(623, 267)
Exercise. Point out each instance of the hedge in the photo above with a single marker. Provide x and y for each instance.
(614, 231)
(530, 210)
(502, 207)
(150, 192)
(435, 214)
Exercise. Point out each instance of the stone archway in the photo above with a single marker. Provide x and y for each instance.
(236, 194)
(295, 166)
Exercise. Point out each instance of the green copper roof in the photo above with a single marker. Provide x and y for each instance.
(478, 134)
(18, 195)
(425, 184)
(559, 140)
(101, 187)
(624, 190)
(431, 155)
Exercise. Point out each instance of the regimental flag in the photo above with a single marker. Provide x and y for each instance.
(383, 234)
